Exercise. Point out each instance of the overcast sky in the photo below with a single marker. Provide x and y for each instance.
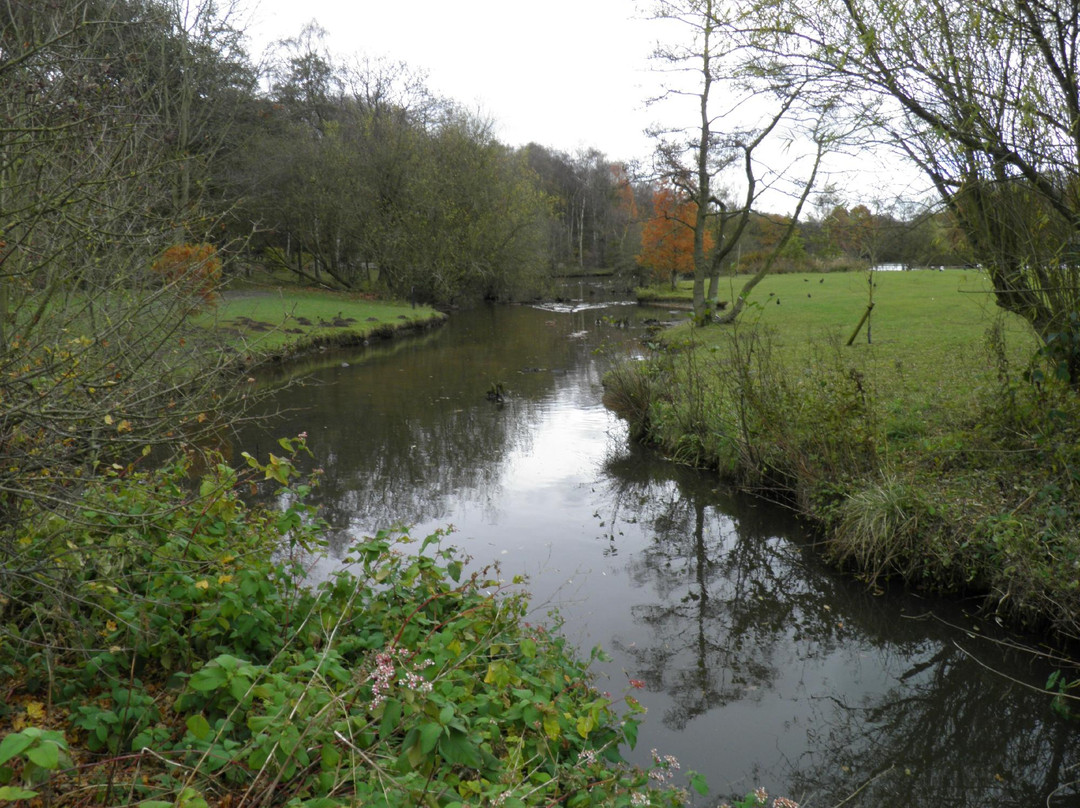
(569, 74)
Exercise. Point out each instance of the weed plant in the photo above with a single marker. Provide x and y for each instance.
(160, 648)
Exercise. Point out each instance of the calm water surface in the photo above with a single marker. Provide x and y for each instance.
(761, 668)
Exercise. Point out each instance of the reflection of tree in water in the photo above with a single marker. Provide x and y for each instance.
(732, 597)
(389, 457)
(949, 733)
(404, 434)
(736, 606)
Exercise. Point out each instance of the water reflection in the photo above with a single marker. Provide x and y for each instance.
(761, 667)
(867, 700)
(405, 435)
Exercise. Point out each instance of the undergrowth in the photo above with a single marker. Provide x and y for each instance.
(160, 648)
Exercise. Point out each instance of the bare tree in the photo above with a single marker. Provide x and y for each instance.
(984, 97)
(743, 106)
(96, 359)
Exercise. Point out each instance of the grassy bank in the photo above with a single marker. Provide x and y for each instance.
(276, 323)
(924, 454)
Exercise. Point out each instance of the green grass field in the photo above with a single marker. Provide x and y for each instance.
(927, 355)
(284, 321)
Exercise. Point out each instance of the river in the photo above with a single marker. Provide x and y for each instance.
(760, 666)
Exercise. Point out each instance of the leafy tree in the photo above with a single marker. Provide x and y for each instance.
(984, 98)
(623, 217)
(470, 225)
(667, 241)
(593, 204)
(361, 174)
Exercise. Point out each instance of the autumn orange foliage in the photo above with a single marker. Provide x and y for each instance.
(667, 239)
(195, 268)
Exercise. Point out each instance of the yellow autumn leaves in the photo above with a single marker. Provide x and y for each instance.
(122, 426)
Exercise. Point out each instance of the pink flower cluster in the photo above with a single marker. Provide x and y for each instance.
(667, 765)
(385, 675)
(587, 756)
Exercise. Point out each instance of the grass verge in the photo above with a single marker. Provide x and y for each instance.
(923, 454)
(273, 324)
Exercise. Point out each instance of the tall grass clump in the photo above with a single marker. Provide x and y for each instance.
(735, 407)
(886, 527)
(160, 647)
(920, 458)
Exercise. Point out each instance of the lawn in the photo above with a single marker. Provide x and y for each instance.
(291, 320)
(928, 356)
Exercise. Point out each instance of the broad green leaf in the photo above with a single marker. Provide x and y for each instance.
(13, 745)
(391, 718)
(697, 782)
(585, 725)
(199, 727)
(429, 736)
(47, 756)
(12, 794)
(257, 723)
(455, 747)
(209, 678)
(551, 727)
(190, 798)
(238, 687)
(330, 756)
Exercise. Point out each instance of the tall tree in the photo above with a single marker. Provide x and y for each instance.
(722, 69)
(361, 173)
(667, 239)
(984, 97)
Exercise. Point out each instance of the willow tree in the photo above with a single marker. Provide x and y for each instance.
(743, 108)
(984, 96)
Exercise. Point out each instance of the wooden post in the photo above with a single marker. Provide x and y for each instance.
(858, 328)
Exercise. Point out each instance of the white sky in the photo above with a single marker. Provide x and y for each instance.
(569, 74)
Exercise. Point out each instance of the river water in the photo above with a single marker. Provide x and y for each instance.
(760, 666)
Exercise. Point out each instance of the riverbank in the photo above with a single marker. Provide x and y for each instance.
(924, 455)
(192, 666)
(279, 323)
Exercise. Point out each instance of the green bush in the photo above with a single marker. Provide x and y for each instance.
(183, 658)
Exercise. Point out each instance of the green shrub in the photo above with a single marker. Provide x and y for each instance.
(170, 629)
